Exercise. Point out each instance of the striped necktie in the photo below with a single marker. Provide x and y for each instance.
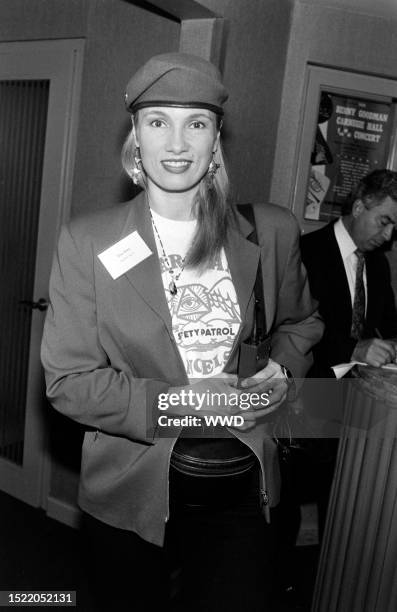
(358, 314)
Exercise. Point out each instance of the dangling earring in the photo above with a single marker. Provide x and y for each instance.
(213, 167)
(137, 169)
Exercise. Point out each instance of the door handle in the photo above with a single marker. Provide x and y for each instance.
(42, 304)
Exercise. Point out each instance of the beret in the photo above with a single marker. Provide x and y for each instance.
(176, 79)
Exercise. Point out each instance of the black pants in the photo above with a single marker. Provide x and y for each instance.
(217, 555)
(305, 478)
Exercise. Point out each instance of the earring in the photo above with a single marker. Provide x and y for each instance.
(213, 167)
(137, 169)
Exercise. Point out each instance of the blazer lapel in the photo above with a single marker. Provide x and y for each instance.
(146, 276)
(243, 257)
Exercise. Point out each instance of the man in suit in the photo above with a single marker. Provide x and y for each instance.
(331, 256)
(349, 275)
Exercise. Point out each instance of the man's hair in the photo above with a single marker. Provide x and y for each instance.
(372, 190)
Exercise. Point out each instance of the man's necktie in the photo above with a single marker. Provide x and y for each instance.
(358, 315)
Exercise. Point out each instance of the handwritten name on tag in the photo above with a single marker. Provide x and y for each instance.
(124, 255)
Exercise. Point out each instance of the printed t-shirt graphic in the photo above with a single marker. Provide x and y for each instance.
(205, 312)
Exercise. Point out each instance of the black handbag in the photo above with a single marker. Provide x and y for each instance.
(254, 352)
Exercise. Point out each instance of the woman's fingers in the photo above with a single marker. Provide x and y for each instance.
(273, 388)
(256, 415)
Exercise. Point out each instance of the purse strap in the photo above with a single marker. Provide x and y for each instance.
(260, 327)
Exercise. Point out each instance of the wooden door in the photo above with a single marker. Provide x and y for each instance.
(39, 96)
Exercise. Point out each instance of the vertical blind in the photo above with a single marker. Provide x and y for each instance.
(23, 117)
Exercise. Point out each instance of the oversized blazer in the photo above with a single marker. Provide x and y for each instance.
(329, 285)
(108, 351)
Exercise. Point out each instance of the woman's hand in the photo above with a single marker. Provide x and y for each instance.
(217, 396)
(255, 398)
(271, 381)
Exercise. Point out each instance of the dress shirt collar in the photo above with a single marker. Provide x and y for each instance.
(345, 242)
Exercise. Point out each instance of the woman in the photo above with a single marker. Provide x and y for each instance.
(150, 302)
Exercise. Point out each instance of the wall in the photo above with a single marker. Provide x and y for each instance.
(253, 68)
(120, 37)
(336, 38)
(42, 19)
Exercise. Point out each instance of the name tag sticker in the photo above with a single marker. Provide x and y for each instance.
(124, 255)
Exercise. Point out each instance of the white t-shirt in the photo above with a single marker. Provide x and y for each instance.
(205, 312)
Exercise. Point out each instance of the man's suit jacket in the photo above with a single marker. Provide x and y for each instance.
(329, 285)
(108, 351)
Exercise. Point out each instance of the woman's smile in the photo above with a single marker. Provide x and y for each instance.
(176, 166)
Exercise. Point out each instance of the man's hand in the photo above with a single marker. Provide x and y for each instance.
(375, 352)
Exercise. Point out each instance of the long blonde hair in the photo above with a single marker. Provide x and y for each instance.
(212, 208)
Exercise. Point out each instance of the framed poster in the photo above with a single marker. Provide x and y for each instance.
(352, 138)
(349, 129)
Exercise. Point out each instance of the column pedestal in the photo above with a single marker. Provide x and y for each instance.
(358, 562)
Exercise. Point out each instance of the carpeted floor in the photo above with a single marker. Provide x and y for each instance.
(38, 553)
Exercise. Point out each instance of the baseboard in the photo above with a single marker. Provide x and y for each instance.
(63, 512)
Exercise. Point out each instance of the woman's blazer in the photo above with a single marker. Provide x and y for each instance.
(108, 351)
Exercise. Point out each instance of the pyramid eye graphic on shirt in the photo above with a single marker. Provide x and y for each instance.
(193, 303)
(205, 317)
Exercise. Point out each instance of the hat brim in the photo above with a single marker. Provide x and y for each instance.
(212, 107)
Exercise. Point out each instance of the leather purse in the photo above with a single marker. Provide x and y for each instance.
(254, 352)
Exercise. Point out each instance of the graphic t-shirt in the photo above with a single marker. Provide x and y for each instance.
(205, 312)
